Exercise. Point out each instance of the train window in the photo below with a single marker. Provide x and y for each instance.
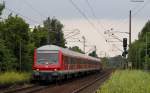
(65, 59)
(80, 61)
(47, 58)
(72, 59)
(69, 60)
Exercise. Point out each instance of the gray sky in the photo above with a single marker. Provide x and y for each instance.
(109, 14)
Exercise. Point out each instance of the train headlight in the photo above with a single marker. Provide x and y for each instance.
(55, 69)
(37, 69)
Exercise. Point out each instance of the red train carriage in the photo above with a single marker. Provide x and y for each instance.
(52, 62)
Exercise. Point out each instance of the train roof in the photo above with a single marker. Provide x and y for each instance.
(66, 51)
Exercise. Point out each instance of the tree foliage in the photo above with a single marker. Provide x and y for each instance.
(15, 34)
(139, 48)
(39, 36)
(105, 61)
(52, 28)
(17, 41)
(76, 49)
(56, 33)
(2, 6)
(93, 54)
(7, 60)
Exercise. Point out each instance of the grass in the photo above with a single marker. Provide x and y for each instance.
(127, 81)
(14, 77)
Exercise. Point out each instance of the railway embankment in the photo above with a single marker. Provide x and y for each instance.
(127, 81)
(84, 84)
(8, 79)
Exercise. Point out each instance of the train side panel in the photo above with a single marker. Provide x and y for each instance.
(69, 63)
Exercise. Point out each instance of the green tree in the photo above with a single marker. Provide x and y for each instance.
(76, 49)
(7, 60)
(105, 61)
(2, 6)
(54, 28)
(39, 36)
(139, 48)
(16, 35)
(93, 54)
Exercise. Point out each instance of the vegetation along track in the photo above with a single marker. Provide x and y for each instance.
(27, 89)
(79, 85)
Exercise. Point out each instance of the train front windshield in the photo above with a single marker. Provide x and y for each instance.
(47, 58)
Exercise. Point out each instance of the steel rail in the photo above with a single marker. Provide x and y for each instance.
(91, 83)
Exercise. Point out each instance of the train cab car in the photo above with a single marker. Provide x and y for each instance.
(53, 62)
(47, 62)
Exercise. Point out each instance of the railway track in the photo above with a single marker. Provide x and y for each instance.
(82, 85)
(72, 86)
(101, 79)
(28, 89)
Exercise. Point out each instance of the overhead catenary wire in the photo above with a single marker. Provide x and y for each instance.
(125, 19)
(94, 15)
(34, 9)
(141, 8)
(117, 48)
(99, 22)
(85, 16)
(136, 12)
(17, 13)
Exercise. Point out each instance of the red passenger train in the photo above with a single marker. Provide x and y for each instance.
(53, 62)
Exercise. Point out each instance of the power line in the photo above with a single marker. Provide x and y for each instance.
(125, 18)
(84, 15)
(21, 15)
(34, 9)
(91, 8)
(93, 13)
(140, 9)
(100, 24)
(114, 45)
(98, 21)
(135, 13)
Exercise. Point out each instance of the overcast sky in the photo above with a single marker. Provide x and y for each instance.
(108, 14)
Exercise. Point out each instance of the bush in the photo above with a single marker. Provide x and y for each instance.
(128, 81)
(14, 77)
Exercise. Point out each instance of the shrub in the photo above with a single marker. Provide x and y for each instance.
(127, 81)
(14, 77)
